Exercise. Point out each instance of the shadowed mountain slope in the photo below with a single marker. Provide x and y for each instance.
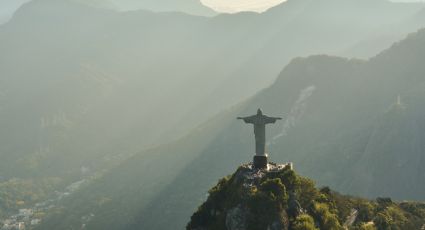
(344, 127)
(81, 80)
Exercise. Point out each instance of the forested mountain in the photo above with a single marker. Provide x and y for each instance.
(83, 88)
(78, 82)
(279, 199)
(77, 86)
(344, 127)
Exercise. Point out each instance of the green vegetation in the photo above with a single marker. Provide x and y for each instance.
(304, 222)
(267, 201)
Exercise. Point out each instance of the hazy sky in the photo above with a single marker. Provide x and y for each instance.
(232, 6)
(241, 5)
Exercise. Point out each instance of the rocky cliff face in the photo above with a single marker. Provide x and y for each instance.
(277, 198)
(250, 197)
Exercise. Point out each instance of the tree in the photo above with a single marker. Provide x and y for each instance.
(327, 220)
(304, 222)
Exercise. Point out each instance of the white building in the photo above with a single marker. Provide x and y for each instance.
(21, 226)
(25, 212)
(35, 221)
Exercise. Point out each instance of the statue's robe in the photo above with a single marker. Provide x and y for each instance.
(260, 122)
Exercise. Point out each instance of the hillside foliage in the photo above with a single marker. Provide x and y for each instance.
(321, 209)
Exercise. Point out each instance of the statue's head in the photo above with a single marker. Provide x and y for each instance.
(259, 112)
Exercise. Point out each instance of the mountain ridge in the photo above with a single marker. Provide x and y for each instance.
(85, 102)
(326, 133)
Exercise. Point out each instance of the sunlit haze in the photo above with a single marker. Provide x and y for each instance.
(241, 5)
(146, 114)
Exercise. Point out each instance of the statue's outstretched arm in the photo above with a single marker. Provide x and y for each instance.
(272, 119)
(247, 119)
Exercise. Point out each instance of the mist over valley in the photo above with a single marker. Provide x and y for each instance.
(122, 115)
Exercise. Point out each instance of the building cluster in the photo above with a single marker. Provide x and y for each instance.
(20, 221)
(26, 219)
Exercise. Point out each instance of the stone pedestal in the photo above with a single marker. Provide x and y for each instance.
(260, 162)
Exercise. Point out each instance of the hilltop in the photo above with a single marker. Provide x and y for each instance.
(277, 199)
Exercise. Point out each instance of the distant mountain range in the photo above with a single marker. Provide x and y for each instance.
(194, 7)
(84, 88)
(81, 80)
(344, 127)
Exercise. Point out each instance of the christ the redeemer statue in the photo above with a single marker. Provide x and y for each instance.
(260, 121)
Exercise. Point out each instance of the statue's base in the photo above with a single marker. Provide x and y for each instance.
(260, 162)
